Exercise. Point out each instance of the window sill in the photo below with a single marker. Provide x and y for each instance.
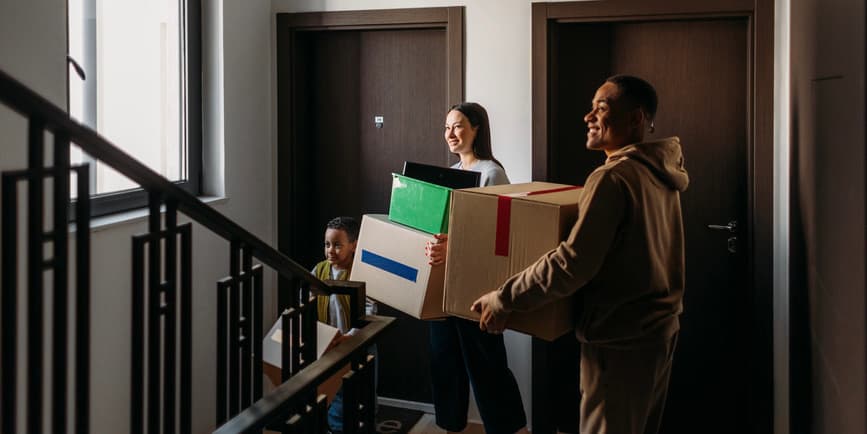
(106, 222)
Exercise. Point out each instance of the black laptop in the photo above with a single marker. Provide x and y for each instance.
(444, 176)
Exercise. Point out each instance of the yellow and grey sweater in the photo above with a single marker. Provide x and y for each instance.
(337, 317)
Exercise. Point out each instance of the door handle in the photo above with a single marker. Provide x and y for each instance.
(731, 227)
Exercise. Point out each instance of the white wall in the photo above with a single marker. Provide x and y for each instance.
(33, 49)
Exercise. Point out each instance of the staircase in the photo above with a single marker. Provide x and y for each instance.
(160, 328)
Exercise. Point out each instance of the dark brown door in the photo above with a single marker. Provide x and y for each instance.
(342, 159)
(700, 70)
(345, 80)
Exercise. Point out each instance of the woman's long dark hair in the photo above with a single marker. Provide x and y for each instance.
(478, 117)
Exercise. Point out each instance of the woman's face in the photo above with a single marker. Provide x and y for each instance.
(459, 133)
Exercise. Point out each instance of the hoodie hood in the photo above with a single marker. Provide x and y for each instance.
(663, 157)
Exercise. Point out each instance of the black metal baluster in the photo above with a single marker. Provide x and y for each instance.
(154, 295)
(169, 314)
(369, 400)
(309, 318)
(297, 363)
(223, 326)
(61, 279)
(350, 402)
(82, 300)
(34, 276)
(10, 301)
(286, 344)
(186, 309)
(293, 425)
(137, 393)
(258, 277)
(310, 416)
(246, 345)
(234, 316)
(321, 415)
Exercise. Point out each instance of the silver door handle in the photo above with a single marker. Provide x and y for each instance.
(731, 227)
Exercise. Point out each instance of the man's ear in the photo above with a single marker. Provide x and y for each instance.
(638, 119)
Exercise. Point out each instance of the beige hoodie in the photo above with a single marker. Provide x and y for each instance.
(625, 254)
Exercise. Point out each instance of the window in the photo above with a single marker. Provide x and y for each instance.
(141, 90)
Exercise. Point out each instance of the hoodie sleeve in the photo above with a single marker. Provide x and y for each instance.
(564, 270)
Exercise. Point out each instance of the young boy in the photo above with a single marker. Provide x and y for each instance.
(341, 237)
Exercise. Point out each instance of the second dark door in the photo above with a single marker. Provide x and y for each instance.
(700, 70)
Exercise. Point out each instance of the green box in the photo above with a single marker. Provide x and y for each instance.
(418, 204)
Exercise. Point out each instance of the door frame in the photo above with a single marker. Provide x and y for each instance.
(451, 19)
(760, 154)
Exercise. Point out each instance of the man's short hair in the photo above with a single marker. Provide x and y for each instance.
(346, 224)
(638, 91)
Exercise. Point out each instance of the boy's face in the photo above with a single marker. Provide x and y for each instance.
(338, 249)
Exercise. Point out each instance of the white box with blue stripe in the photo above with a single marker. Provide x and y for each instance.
(390, 258)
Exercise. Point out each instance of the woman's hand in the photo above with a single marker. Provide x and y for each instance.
(436, 250)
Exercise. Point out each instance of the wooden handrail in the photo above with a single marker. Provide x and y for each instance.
(305, 381)
(28, 103)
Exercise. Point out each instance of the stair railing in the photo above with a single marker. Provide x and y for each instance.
(161, 329)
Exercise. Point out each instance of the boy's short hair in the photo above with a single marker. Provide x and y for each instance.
(346, 224)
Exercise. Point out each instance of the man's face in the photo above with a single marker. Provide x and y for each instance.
(608, 122)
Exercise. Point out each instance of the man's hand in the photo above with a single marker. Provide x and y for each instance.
(436, 250)
(494, 317)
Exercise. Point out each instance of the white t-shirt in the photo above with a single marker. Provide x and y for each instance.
(334, 309)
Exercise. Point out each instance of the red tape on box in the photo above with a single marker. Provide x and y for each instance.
(504, 216)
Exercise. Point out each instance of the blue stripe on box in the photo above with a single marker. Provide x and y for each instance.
(389, 265)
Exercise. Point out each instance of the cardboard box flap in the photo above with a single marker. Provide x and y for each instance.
(558, 198)
(271, 343)
(513, 188)
(542, 192)
(400, 181)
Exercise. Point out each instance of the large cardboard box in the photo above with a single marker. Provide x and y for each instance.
(391, 259)
(419, 204)
(326, 336)
(496, 232)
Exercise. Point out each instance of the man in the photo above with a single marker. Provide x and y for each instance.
(624, 260)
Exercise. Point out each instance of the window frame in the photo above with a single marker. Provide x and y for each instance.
(191, 111)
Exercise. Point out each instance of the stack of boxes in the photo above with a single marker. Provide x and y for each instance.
(494, 232)
(390, 255)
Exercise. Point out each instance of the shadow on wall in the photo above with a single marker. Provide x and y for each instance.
(800, 341)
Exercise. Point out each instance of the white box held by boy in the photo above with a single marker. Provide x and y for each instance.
(391, 259)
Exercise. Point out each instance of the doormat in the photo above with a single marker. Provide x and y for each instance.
(395, 420)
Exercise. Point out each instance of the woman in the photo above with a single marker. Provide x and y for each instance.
(461, 353)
